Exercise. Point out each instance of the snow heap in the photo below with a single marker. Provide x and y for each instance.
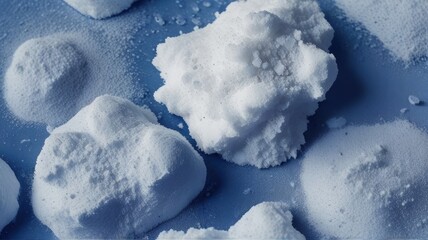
(44, 75)
(99, 9)
(51, 78)
(400, 25)
(369, 182)
(112, 171)
(267, 220)
(246, 83)
(9, 191)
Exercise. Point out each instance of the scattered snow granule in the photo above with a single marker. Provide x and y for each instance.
(414, 100)
(338, 122)
(159, 19)
(247, 191)
(25, 141)
(402, 26)
(206, 4)
(404, 110)
(246, 83)
(379, 180)
(180, 20)
(180, 125)
(100, 9)
(267, 220)
(9, 191)
(112, 171)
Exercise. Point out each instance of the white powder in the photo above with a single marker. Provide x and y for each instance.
(112, 171)
(99, 9)
(368, 182)
(267, 220)
(9, 191)
(51, 78)
(400, 25)
(246, 83)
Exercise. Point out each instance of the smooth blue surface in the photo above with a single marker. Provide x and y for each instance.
(370, 88)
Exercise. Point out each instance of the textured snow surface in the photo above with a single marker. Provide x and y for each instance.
(9, 191)
(51, 78)
(402, 26)
(369, 182)
(246, 83)
(267, 220)
(112, 171)
(99, 9)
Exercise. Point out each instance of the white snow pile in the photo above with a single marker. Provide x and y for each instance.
(246, 83)
(9, 191)
(112, 171)
(51, 78)
(99, 9)
(369, 182)
(267, 220)
(402, 26)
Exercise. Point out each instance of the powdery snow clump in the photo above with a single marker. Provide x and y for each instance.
(400, 25)
(9, 191)
(246, 83)
(51, 78)
(267, 220)
(112, 171)
(99, 9)
(369, 182)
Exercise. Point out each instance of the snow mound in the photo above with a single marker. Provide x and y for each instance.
(112, 171)
(51, 78)
(369, 182)
(267, 220)
(45, 74)
(99, 9)
(9, 191)
(246, 83)
(400, 25)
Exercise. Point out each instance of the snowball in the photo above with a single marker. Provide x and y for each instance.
(99, 9)
(9, 191)
(44, 75)
(246, 83)
(51, 78)
(369, 182)
(267, 220)
(112, 171)
(400, 25)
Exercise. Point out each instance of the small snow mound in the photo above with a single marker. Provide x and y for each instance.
(45, 74)
(414, 100)
(9, 191)
(99, 9)
(267, 220)
(368, 182)
(246, 83)
(112, 171)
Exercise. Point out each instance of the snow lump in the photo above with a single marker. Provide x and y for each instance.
(99, 9)
(44, 76)
(112, 171)
(400, 25)
(246, 83)
(51, 78)
(9, 191)
(267, 220)
(369, 182)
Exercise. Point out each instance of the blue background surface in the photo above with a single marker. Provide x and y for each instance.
(370, 88)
